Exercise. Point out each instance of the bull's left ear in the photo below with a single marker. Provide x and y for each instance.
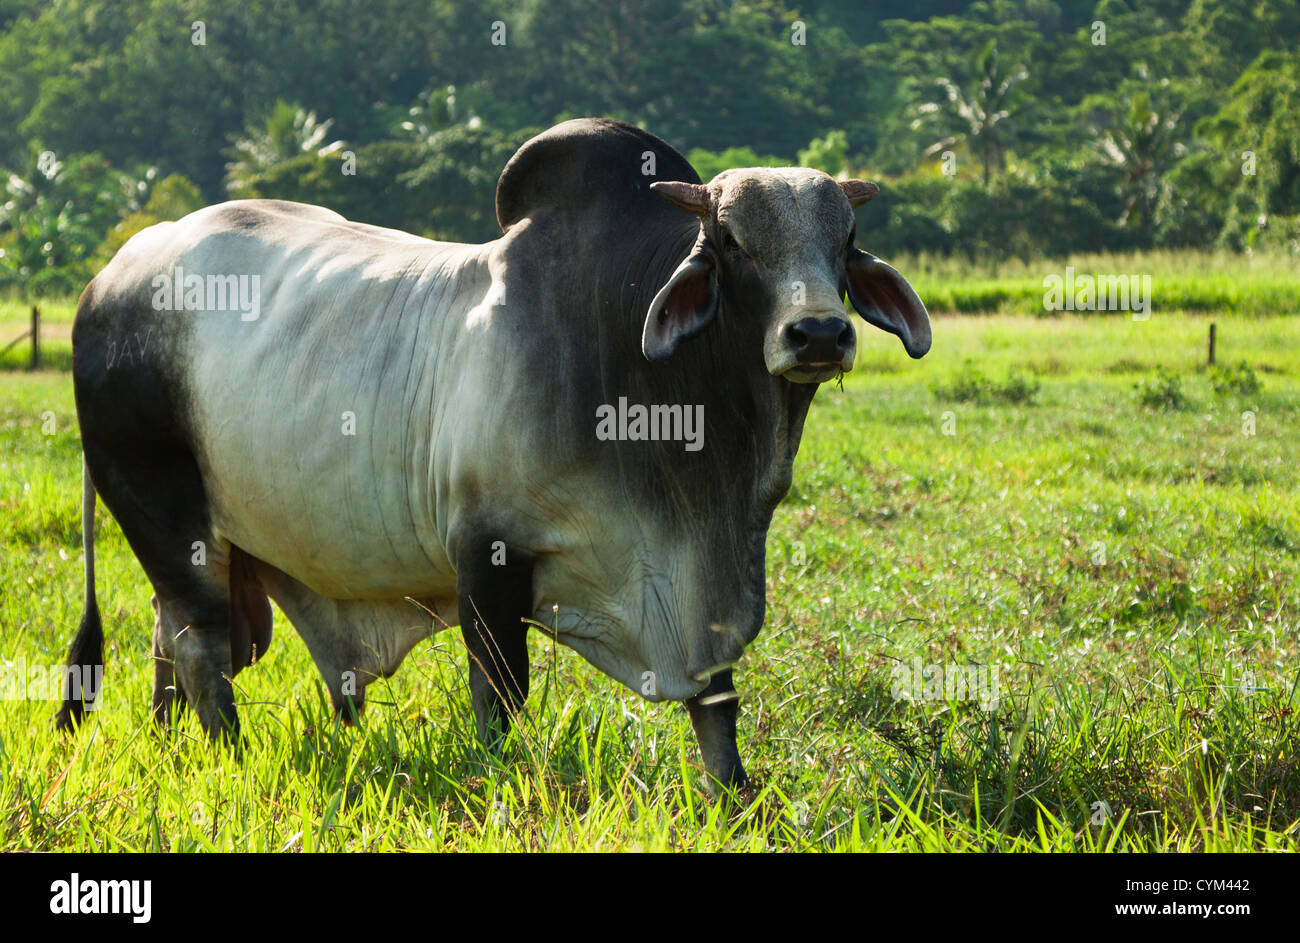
(885, 299)
(684, 307)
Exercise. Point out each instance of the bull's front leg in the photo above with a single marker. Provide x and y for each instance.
(713, 716)
(495, 590)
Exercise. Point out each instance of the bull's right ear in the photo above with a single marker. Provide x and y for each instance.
(885, 299)
(684, 307)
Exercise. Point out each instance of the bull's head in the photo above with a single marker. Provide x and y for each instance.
(777, 246)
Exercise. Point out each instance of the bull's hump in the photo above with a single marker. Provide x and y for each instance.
(588, 162)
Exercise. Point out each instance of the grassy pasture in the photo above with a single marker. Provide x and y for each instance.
(1208, 283)
(1068, 499)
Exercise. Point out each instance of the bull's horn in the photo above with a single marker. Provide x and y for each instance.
(858, 191)
(692, 197)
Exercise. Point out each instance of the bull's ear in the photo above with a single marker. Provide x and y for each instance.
(684, 307)
(885, 299)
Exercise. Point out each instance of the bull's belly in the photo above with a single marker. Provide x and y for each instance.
(349, 574)
(344, 534)
(339, 566)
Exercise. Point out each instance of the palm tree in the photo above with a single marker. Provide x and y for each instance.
(983, 111)
(286, 132)
(54, 212)
(1141, 144)
(435, 111)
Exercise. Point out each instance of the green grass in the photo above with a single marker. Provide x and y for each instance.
(1130, 569)
(1200, 282)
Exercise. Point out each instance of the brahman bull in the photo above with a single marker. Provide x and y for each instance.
(276, 401)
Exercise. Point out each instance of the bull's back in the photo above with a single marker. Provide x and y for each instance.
(286, 351)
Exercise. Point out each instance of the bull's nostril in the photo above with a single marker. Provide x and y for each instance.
(817, 340)
(845, 339)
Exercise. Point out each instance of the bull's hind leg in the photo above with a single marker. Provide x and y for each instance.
(192, 654)
(181, 666)
(158, 499)
(167, 700)
(204, 672)
(137, 441)
(192, 638)
(494, 586)
(192, 663)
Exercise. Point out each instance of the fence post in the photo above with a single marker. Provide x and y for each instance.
(36, 338)
(1213, 332)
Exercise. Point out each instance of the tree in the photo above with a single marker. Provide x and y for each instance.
(435, 111)
(54, 213)
(829, 153)
(286, 132)
(172, 198)
(1257, 136)
(376, 193)
(458, 173)
(1138, 137)
(709, 164)
(984, 110)
(1221, 36)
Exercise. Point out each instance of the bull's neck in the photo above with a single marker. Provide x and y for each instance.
(753, 420)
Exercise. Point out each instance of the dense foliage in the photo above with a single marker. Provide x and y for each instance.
(1000, 128)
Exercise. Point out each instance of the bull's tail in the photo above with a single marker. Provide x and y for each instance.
(86, 656)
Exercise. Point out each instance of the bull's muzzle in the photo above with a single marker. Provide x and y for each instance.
(820, 341)
(818, 348)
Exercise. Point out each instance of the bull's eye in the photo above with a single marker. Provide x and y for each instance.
(729, 243)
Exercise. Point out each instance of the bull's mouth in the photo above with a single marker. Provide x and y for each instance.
(814, 372)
